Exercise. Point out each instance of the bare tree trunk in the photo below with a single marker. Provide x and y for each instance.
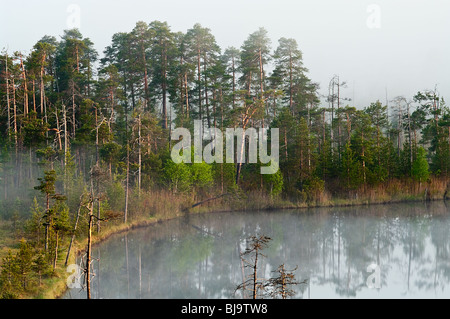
(56, 251)
(96, 137)
(8, 105)
(164, 88)
(234, 82)
(15, 117)
(78, 59)
(180, 78)
(364, 161)
(241, 152)
(88, 253)
(255, 277)
(34, 95)
(339, 117)
(285, 144)
(242, 272)
(58, 130)
(187, 94)
(73, 234)
(47, 222)
(208, 115)
(199, 78)
(139, 156)
(400, 124)
(41, 84)
(73, 110)
(221, 128)
(65, 134)
(25, 88)
(291, 84)
(126, 188)
(261, 75)
(145, 78)
(125, 217)
(409, 134)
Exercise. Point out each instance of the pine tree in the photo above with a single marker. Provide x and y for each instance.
(281, 285)
(291, 72)
(47, 187)
(420, 167)
(250, 257)
(24, 260)
(201, 51)
(163, 55)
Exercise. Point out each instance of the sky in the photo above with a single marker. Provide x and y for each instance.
(381, 48)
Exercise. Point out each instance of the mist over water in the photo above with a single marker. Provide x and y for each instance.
(198, 256)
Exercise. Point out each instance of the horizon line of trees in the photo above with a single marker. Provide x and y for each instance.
(151, 79)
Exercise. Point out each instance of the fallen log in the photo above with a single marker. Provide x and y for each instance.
(209, 200)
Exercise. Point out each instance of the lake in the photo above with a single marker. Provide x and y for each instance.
(381, 251)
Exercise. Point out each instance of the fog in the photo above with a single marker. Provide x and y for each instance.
(335, 249)
(381, 48)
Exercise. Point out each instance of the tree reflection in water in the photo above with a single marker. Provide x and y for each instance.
(198, 256)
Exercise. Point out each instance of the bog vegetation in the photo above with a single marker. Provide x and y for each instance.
(85, 139)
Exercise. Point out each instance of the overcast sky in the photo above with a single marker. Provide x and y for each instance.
(377, 46)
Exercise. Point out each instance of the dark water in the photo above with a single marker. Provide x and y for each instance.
(198, 256)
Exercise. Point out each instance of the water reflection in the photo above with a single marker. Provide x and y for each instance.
(198, 256)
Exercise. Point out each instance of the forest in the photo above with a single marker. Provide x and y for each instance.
(85, 139)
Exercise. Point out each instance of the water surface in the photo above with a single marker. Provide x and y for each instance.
(197, 256)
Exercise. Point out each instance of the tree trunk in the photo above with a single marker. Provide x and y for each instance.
(56, 251)
(66, 146)
(73, 234)
(285, 143)
(164, 89)
(261, 75)
(16, 142)
(199, 77)
(409, 134)
(241, 152)
(73, 110)
(125, 219)
(78, 58)
(88, 253)
(187, 94)
(25, 88)
(234, 83)
(47, 222)
(291, 84)
(58, 130)
(8, 105)
(34, 95)
(145, 78)
(97, 157)
(41, 84)
(139, 156)
(255, 277)
(244, 295)
(126, 195)
(363, 158)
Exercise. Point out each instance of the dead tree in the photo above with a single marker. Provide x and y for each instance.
(250, 258)
(280, 286)
(88, 204)
(82, 203)
(91, 218)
